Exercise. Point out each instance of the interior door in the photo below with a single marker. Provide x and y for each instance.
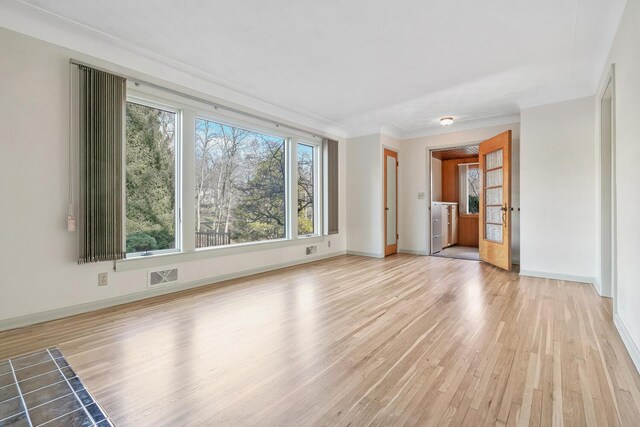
(495, 201)
(390, 202)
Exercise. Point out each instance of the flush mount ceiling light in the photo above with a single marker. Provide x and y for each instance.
(446, 121)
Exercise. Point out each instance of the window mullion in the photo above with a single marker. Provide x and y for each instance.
(188, 181)
(292, 193)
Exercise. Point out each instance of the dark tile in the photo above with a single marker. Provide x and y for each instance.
(7, 379)
(105, 423)
(11, 407)
(5, 367)
(30, 359)
(62, 362)
(76, 384)
(35, 383)
(55, 352)
(84, 397)
(96, 412)
(46, 394)
(53, 409)
(19, 420)
(68, 372)
(77, 418)
(8, 392)
(35, 370)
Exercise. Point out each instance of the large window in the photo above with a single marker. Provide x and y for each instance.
(240, 185)
(150, 179)
(306, 189)
(473, 189)
(253, 182)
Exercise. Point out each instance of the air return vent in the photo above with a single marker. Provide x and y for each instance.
(162, 277)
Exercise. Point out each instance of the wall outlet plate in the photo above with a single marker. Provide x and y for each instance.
(103, 279)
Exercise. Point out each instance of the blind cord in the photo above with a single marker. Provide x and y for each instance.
(70, 212)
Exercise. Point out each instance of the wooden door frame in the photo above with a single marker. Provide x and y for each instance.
(393, 248)
(429, 184)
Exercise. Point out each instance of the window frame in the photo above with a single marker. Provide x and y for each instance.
(153, 102)
(189, 110)
(199, 114)
(318, 181)
(474, 214)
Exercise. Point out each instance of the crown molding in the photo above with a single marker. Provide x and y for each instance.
(401, 134)
(105, 49)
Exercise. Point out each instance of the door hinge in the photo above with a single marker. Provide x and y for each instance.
(397, 236)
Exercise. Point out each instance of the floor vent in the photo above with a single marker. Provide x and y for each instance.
(162, 277)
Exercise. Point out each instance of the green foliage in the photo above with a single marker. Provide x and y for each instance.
(260, 211)
(140, 242)
(150, 202)
(305, 225)
(474, 204)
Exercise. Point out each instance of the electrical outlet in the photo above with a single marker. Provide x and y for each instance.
(311, 250)
(329, 243)
(103, 279)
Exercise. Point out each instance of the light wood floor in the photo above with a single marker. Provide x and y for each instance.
(408, 340)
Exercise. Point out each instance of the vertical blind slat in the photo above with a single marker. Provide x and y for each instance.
(101, 104)
(332, 186)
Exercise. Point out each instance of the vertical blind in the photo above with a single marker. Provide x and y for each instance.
(332, 186)
(102, 98)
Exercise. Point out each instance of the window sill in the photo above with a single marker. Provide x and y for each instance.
(469, 215)
(142, 262)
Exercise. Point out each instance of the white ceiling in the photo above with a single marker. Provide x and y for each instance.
(370, 63)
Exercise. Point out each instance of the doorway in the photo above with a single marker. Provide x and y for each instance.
(474, 187)
(607, 192)
(390, 202)
(455, 198)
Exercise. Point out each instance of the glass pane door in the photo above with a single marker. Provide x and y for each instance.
(493, 196)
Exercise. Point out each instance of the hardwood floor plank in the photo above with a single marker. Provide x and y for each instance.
(405, 340)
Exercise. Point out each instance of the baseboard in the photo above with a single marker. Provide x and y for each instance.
(413, 252)
(557, 276)
(367, 254)
(628, 342)
(59, 313)
(596, 283)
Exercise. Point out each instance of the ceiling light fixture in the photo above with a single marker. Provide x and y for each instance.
(446, 121)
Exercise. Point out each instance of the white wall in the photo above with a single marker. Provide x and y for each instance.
(364, 204)
(365, 207)
(414, 178)
(624, 54)
(557, 181)
(37, 255)
(436, 180)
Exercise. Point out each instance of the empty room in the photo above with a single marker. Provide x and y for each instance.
(322, 213)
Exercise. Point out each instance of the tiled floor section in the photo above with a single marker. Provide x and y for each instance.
(44, 384)
(460, 252)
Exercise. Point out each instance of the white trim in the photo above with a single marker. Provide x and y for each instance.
(462, 126)
(367, 254)
(596, 284)
(163, 259)
(628, 342)
(413, 252)
(59, 313)
(558, 276)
